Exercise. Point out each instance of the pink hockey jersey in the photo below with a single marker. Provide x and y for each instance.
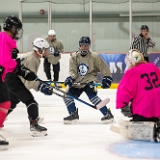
(141, 86)
(6, 46)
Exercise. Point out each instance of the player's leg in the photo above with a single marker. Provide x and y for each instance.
(16, 86)
(14, 101)
(70, 104)
(56, 69)
(91, 92)
(4, 107)
(140, 130)
(47, 66)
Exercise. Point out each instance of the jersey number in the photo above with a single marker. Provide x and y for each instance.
(151, 79)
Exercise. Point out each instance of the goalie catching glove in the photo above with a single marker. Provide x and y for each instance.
(106, 82)
(26, 73)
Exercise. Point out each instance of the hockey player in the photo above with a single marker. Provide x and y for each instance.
(140, 86)
(12, 31)
(19, 87)
(84, 66)
(55, 49)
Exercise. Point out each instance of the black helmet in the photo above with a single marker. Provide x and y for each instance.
(84, 40)
(12, 22)
(144, 27)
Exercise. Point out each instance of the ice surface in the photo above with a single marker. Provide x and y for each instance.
(88, 140)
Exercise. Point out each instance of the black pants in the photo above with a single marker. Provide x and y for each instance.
(4, 93)
(18, 92)
(137, 117)
(47, 70)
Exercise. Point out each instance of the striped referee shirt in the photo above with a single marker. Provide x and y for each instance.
(142, 44)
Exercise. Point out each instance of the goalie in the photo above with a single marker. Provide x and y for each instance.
(140, 87)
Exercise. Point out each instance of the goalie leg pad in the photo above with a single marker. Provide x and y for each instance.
(137, 130)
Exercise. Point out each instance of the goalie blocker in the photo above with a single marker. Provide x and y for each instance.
(145, 131)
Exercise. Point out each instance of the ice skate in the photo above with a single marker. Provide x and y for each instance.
(3, 143)
(108, 118)
(73, 118)
(40, 120)
(37, 130)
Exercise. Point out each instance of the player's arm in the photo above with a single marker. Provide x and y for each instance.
(72, 71)
(52, 58)
(135, 42)
(151, 43)
(33, 67)
(60, 47)
(126, 89)
(11, 63)
(103, 68)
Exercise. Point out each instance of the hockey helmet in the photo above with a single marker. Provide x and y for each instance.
(134, 57)
(12, 22)
(39, 45)
(84, 41)
(51, 33)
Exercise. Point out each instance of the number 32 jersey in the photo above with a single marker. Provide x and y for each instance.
(140, 86)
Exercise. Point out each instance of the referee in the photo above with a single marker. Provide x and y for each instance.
(142, 42)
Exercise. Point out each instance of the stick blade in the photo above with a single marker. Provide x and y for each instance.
(115, 129)
(103, 103)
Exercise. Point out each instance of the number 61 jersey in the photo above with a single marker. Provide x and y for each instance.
(140, 85)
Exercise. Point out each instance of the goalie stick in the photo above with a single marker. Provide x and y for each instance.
(61, 93)
(115, 129)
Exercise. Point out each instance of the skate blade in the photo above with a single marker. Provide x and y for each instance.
(71, 122)
(38, 134)
(108, 121)
(3, 147)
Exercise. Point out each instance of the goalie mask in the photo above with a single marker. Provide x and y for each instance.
(40, 45)
(84, 45)
(134, 57)
(14, 25)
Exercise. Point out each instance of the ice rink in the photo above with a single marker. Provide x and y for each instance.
(88, 140)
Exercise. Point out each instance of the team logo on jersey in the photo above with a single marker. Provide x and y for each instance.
(82, 69)
(51, 49)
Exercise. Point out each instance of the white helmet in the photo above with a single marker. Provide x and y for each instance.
(134, 57)
(51, 33)
(39, 45)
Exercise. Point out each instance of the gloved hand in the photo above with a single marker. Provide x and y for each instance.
(26, 73)
(15, 51)
(44, 88)
(126, 111)
(56, 53)
(69, 81)
(106, 82)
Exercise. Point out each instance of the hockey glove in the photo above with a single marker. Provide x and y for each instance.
(126, 111)
(15, 51)
(47, 90)
(26, 73)
(69, 81)
(56, 53)
(106, 82)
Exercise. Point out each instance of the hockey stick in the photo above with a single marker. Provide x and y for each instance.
(115, 129)
(78, 84)
(63, 94)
